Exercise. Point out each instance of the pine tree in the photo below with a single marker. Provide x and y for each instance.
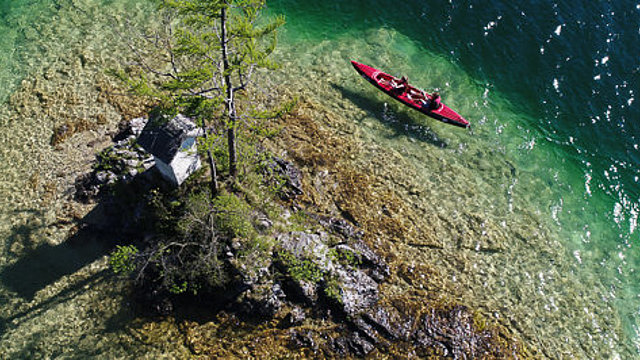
(208, 55)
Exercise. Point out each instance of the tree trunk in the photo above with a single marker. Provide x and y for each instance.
(230, 102)
(213, 185)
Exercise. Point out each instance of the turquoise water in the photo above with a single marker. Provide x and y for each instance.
(550, 88)
(549, 174)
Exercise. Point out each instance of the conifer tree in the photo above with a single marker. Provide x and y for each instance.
(209, 54)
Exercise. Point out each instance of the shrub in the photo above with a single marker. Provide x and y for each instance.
(300, 269)
(232, 216)
(332, 290)
(122, 259)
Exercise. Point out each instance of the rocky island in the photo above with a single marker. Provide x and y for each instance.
(329, 284)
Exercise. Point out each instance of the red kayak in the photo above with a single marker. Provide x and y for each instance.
(411, 96)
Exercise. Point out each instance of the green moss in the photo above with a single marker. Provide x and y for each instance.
(333, 290)
(299, 221)
(257, 195)
(346, 257)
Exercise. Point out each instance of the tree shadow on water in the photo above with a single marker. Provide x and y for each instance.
(399, 121)
(48, 263)
(114, 220)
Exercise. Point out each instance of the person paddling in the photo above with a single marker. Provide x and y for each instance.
(434, 103)
(401, 86)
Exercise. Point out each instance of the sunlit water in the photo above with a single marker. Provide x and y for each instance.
(552, 161)
(539, 202)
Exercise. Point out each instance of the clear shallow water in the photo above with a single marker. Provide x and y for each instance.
(56, 298)
(550, 88)
(548, 175)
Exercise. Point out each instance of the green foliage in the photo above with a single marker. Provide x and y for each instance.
(122, 259)
(300, 268)
(221, 153)
(178, 288)
(193, 219)
(333, 290)
(299, 221)
(257, 195)
(211, 53)
(254, 254)
(106, 160)
(201, 65)
(345, 257)
(232, 216)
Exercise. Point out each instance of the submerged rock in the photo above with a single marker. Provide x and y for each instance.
(354, 344)
(339, 226)
(303, 339)
(451, 332)
(389, 323)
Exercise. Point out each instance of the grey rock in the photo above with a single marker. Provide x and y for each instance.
(359, 291)
(451, 331)
(294, 318)
(353, 344)
(339, 226)
(379, 270)
(272, 303)
(277, 170)
(263, 224)
(136, 125)
(389, 323)
(303, 339)
(133, 163)
(308, 291)
(102, 177)
(304, 245)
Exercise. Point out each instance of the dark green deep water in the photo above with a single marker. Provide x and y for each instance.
(549, 85)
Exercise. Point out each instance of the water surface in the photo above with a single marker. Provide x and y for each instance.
(548, 175)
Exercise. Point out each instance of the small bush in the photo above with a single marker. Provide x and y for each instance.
(122, 259)
(300, 269)
(332, 290)
(346, 257)
(232, 216)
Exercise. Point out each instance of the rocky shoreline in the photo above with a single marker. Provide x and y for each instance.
(345, 304)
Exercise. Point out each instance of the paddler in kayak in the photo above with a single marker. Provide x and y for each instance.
(400, 86)
(434, 103)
